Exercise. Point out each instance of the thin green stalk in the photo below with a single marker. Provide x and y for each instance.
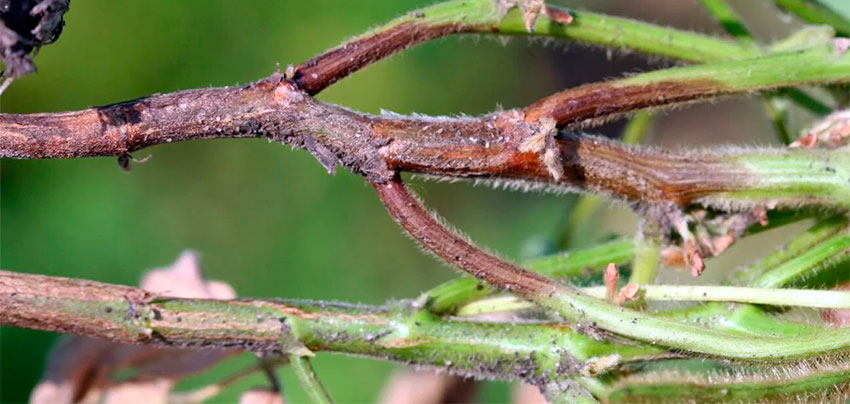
(777, 111)
(485, 17)
(833, 252)
(778, 297)
(816, 13)
(637, 128)
(309, 381)
(450, 295)
(806, 101)
(788, 260)
(574, 305)
(817, 64)
(647, 258)
(701, 381)
(731, 22)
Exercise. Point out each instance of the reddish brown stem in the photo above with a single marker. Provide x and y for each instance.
(320, 72)
(406, 210)
(504, 146)
(603, 101)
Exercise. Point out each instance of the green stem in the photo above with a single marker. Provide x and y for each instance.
(647, 258)
(309, 381)
(832, 299)
(482, 16)
(637, 128)
(452, 294)
(833, 252)
(700, 381)
(397, 332)
(799, 256)
(816, 13)
(777, 111)
(806, 101)
(730, 21)
(791, 178)
(574, 305)
(783, 69)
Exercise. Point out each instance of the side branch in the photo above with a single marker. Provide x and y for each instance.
(424, 228)
(574, 305)
(501, 17)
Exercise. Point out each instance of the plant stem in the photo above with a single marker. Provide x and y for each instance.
(815, 65)
(647, 258)
(731, 22)
(814, 12)
(452, 294)
(309, 381)
(833, 252)
(777, 297)
(486, 17)
(699, 381)
(395, 332)
(798, 257)
(573, 305)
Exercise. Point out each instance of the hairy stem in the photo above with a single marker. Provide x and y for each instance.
(816, 65)
(814, 12)
(397, 332)
(731, 22)
(825, 241)
(685, 381)
(448, 296)
(488, 17)
(309, 381)
(777, 297)
(572, 304)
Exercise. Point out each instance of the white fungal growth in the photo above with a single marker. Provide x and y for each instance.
(542, 142)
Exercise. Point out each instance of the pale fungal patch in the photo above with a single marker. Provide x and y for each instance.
(543, 142)
(598, 365)
(531, 10)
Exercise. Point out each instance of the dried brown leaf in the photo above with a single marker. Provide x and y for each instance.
(611, 278)
(628, 293)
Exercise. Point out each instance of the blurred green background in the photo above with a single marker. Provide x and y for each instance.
(270, 221)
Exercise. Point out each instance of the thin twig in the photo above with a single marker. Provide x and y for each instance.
(829, 299)
(309, 381)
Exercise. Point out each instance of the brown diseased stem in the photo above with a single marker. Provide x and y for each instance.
(424, 228)
(503, 146)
